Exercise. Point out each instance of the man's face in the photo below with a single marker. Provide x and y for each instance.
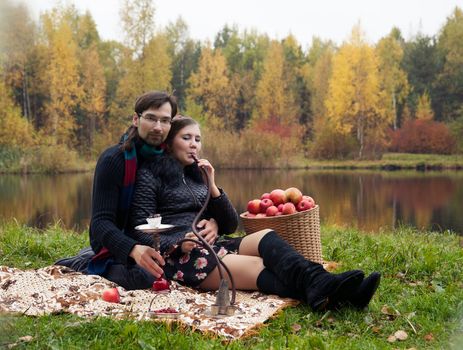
(154, 124)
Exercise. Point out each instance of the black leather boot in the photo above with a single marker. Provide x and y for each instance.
(268, 283)
(362, 296)
(321, 289)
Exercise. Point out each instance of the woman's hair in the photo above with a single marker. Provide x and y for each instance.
(151, 99)
(178, 123)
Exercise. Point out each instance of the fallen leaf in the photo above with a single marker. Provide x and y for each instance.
(331, 266)
(429, 337)
(400, 275)
(26, 338)
(401, 335)
(296, 327)
(391, 339)
(376, 329)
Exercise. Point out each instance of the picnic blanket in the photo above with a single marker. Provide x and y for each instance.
(57, 289)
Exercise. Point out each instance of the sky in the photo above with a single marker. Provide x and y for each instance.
(326, 19)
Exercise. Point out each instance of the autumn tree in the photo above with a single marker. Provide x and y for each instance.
(15, 131)
(423, 109)
(448, 95)
(355, 101)
(275, 101)
(210, 89)
(62, 76)
(393, 77)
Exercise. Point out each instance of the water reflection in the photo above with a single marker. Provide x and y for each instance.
(368, 200)
(39, 200)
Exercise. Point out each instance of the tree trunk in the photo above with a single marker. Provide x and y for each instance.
(394, 109)
(360, 136)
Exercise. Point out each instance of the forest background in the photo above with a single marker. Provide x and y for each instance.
(65, 94)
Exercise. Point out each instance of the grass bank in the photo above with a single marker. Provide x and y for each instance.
(421, 293)
(392, 161)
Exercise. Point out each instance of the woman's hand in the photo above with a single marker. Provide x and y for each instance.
(204, 163)
(148, 258)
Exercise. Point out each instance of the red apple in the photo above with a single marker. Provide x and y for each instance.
(278, 197)
(293, 194)
(279, 213)
(265, 195)
(271, 211)
(304, 205)
(289, 208)
(111, 295)
(264, 204)
(310, 199)
(254, 206)
(280, 207)
(160, 284)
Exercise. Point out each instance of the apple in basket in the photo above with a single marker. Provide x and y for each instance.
(265, 195)
(304, 205)
(264, 204)
(289, 208)
(254, 206)
(271, 211)
(293, 195)
(278, 197)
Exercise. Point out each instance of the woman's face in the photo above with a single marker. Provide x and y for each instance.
(187, 143)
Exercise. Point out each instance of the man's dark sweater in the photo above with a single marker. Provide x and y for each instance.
(108, 219)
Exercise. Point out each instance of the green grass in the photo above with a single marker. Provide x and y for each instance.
(421, 293)
(392, 161)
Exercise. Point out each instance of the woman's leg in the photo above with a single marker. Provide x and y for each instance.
(244, 269)
(250, 243)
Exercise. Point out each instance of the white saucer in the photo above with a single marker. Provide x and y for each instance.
(150, 229)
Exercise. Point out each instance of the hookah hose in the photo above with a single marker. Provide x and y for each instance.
(220, 264)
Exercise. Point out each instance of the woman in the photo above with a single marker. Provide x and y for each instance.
(173, 187)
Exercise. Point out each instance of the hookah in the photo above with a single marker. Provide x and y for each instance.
(223, 306)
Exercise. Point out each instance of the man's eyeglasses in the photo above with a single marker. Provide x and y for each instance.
(152, 119)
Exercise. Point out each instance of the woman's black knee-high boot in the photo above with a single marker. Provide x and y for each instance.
(269, 283)
(321, 288)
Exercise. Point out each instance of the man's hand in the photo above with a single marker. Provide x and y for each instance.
(208, 229)
(187, 247)
(148, 258)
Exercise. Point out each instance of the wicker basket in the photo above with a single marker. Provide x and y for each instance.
(301, 230)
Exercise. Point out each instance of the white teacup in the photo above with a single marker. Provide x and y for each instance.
(154, 222)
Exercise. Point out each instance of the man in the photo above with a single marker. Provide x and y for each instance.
(120, 258)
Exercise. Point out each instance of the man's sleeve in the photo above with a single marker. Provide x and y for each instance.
(107, 186)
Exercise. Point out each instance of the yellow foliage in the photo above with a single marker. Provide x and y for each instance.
(15, 131)
(356, 101)
(63, 82)
(274, 98)
(210, 88)
(423, 109)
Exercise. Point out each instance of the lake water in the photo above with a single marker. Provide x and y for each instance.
(363, 199)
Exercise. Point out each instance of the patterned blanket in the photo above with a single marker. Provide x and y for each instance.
(57, 289)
